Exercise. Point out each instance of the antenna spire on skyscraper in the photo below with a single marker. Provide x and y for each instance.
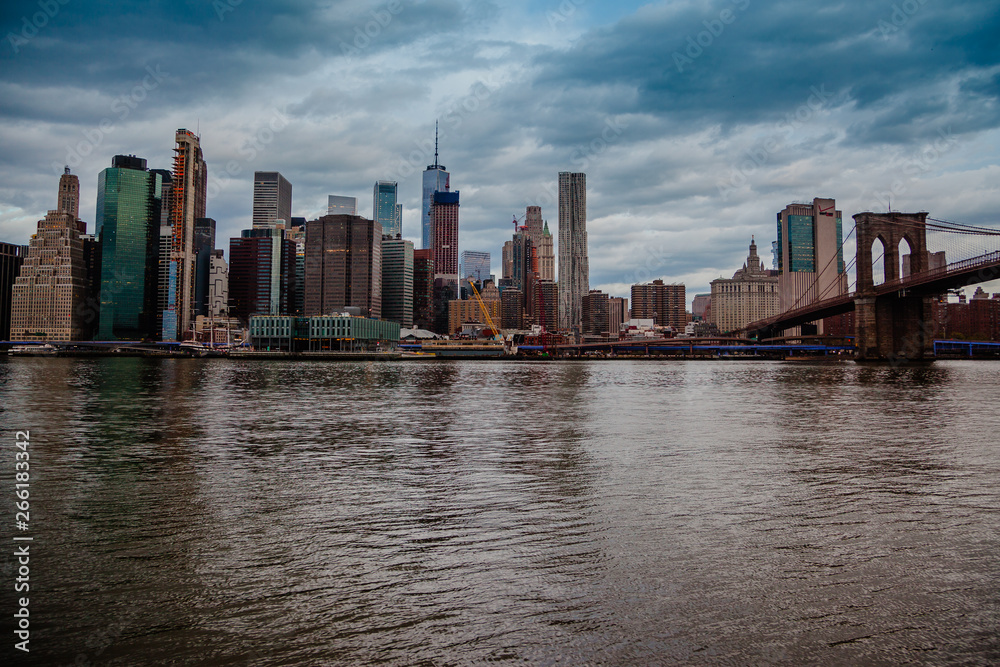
(435, 143)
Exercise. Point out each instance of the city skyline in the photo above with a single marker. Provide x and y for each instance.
(690, 146)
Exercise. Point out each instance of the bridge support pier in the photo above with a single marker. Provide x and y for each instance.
(892, 327)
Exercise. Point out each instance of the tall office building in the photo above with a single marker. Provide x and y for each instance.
(524, 271)
(69, 198)
(574, 271)
(218, 285)
(272, 198)
(444, 222)
(340, 205)
(476, 265)
(810, 254)
(533, 224)
(666, 305)
(385, 211)
(596, 313)
(617, 313)
(204, 244)
(436, 179)
(128, 226)
(547, 304)
(48, 298)
(343, 265)
(423, 288)
(261, 273)
(188, 191)
(11, 258)
(165, 241)
(750, 295)
(397, 281)
(546, 255)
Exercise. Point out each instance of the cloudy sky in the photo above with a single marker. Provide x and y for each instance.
(695, 122)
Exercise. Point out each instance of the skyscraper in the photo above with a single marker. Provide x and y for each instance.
(49, 291)
(343, 265)
(385, 211)
(475, 265)
(397, 281)
(190, 180)
(533, 223)
(423, 288)
(444, 223)
(341, 205)
(261, 273)
(272, 198)
(546, 255)
(69, 198)
(204, 244)
(128, 226)
(163, 261)
(436, 179)
(574, 271)
(810, 254)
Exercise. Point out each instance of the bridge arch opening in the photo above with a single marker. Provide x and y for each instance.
(905, 254)
(878, 260)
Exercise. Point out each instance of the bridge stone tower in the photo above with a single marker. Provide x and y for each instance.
(894, 326)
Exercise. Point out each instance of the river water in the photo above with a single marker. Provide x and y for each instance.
(447, 513)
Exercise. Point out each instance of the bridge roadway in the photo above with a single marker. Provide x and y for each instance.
(928, 283)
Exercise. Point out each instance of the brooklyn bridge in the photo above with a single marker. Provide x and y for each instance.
(893, 311)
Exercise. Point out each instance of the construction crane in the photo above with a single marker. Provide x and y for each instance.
(517, 220)
(486, 312)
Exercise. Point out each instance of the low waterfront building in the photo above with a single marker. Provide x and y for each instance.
(334, 333)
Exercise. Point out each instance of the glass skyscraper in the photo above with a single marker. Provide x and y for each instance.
(128, 224)
(384, 208)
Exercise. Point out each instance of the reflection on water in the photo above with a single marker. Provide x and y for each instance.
(618, 512)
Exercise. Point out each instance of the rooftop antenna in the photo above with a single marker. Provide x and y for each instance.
(435, 143)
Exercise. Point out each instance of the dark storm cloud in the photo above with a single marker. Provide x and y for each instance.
(695, 64)
(213, 50)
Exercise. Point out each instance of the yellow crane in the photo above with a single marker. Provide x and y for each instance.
(486, 311)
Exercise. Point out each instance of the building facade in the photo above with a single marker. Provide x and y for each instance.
(272, 198)
(666, 305)
(218, 286)
(546, 255)
(444, 223)
(617, 313)
(69, 198)
(341, 205)
(11, 259)
(128, 224)
(48, 298)
(322, 333)
(343, 265)
(385, 210)
(476, 265)
(810, 254)
(188, 192)
(574, 270)
(750, 295)
(397, 281)
(423, 288)
(261, 273)
(596, 314)
(547, 304)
